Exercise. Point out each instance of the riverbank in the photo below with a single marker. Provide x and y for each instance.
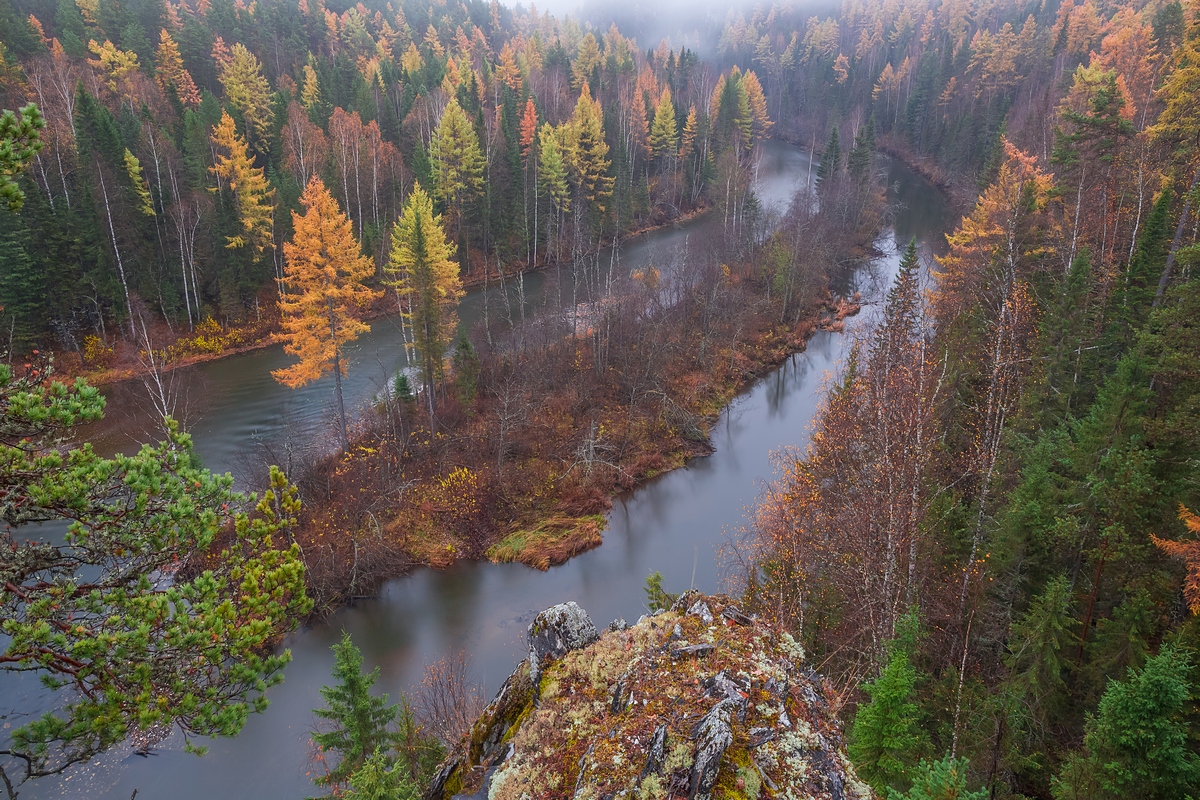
(106, 365)
(521, 466)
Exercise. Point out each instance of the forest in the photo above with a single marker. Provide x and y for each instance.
(988, 547)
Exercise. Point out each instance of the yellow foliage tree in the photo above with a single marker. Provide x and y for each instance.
(588, 151)
(171, 73)
(324, 272)
(133, 168)
(255, 197)
(113, 62)
(248, 91)
(422, 271)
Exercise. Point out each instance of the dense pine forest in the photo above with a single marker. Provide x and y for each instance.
(988, 547)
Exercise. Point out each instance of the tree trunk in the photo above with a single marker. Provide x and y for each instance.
(1179, 229)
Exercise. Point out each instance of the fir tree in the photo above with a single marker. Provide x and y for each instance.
(885, 739)
(1138, 744)
(361, 726)
(831, 160)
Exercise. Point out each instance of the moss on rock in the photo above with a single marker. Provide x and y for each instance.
(747, 703)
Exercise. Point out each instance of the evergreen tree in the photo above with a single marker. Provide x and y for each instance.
(361, 726)
(858, 163)
(381, 778)
(135, 651)
(1138, 745)
(831, 160)
(885, 738)
(944, 779)
(20, 141)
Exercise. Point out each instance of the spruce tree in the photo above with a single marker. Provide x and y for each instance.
(944, 779)
(831, 159)
(885, 738)
(1138, 744)
(361, 725)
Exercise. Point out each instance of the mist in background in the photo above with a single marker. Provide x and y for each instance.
(694, 24)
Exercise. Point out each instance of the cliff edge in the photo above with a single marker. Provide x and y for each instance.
(701, 701)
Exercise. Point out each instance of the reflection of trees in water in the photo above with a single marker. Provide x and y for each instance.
(134, 409)
(291, 444)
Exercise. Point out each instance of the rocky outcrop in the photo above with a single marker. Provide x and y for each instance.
(701, 701)
(555, 632)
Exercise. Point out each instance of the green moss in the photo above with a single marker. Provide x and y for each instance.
(516, 725)
(454, 785)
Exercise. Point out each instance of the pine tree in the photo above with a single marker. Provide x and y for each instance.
(885, 739)
(255, 197)
(426, 280)
(324, 275)
(361, 725)
(20, 141)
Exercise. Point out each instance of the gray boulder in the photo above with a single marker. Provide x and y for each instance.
(555, 632)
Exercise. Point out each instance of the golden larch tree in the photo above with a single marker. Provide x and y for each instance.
(1189, 552)
(254, 195)
(248, 91)
(171, 74)
(324, 273)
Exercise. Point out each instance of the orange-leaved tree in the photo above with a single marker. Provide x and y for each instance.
(323, 274)
(254, 195)
(1190, 553)
(422, 270)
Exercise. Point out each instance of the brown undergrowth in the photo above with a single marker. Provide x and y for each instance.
(562, 414)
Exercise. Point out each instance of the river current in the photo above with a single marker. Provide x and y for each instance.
(674, 524)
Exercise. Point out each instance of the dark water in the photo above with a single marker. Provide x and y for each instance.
(674, 524)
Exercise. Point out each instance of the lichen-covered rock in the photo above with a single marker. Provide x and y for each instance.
(555, 632)
(635, 714)
(713, 736)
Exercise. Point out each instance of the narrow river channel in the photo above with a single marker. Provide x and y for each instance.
(674, 524)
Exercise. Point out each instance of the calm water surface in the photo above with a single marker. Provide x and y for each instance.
(674, 524)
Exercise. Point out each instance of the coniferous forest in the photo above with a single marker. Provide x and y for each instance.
(987, 542)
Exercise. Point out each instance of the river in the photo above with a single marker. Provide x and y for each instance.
(674, 524)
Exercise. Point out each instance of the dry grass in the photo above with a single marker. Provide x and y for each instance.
(550, 542)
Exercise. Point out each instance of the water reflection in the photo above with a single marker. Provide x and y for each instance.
(674, 524)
